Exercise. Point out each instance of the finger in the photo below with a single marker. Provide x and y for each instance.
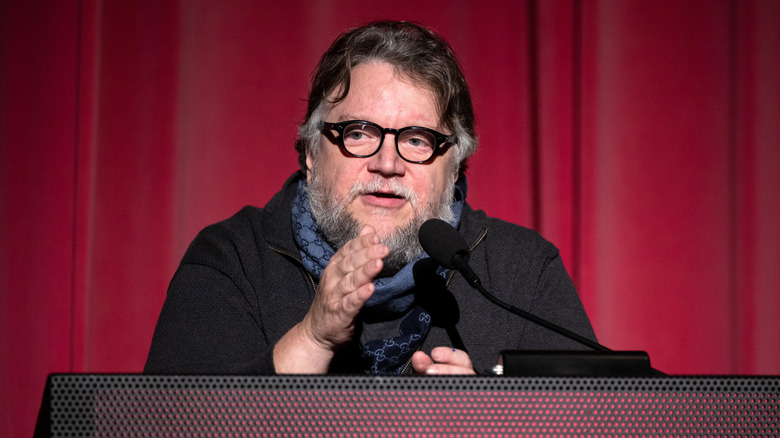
(451, 356)
(356, 244)
(449, 370)
(461, 363)
(358, 251)
(421, 362)
(366, 237)
(353, 270)
(358, 287)
(354, 301)
(361, 276)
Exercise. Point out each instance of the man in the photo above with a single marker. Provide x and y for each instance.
(329, 275)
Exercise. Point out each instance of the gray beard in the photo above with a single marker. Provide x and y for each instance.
(339, 225)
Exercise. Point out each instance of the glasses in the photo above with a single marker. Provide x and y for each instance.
(414, 144)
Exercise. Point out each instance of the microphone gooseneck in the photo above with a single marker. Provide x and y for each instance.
(448, 248)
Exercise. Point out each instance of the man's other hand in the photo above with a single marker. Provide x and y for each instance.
(443, 360)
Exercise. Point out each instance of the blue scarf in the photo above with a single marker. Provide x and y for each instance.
(391, 294)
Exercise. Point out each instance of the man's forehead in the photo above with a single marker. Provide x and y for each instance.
(337, 95)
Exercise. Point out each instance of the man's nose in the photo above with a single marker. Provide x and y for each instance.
(387, 161)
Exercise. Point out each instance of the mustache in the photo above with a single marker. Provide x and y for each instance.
(389, 186)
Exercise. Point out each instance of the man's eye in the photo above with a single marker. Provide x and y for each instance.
(418, 142)
(357, 135)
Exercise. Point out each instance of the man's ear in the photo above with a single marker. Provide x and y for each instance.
(309, 164)
(455, 169)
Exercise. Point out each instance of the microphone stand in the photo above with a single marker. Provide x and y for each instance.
(448, 248)
(461, 264)
(519, 362)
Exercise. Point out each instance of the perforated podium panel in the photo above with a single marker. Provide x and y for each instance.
(359, 406)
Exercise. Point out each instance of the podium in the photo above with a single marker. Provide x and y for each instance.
(124, 405)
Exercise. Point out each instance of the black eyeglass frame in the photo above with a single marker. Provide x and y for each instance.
(443, 141)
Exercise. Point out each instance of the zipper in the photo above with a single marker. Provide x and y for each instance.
(479, 240)
(409, 361)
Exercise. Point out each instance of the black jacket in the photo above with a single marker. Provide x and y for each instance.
(240, 287)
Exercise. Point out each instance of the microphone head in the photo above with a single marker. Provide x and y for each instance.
(442, 242)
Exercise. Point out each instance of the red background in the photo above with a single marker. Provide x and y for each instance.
(641, 137)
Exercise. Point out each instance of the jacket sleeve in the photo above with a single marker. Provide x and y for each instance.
(556, 300)
(210, 323)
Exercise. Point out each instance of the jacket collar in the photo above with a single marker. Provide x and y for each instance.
(277, 222)
(473, 225)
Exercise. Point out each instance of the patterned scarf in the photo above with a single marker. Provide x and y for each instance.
(391, 294)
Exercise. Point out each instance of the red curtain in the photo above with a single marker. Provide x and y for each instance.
(640, 137)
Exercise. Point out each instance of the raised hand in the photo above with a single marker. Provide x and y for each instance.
(345, 286)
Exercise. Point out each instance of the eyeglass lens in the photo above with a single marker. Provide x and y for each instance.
(413, 144)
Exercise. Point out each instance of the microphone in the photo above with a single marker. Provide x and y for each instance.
(448, 248)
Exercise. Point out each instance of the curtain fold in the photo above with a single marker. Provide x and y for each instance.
(641, 138)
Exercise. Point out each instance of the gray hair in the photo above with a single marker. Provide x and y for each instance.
(416, 52)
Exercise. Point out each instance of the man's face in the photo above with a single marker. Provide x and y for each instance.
(377, 94)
